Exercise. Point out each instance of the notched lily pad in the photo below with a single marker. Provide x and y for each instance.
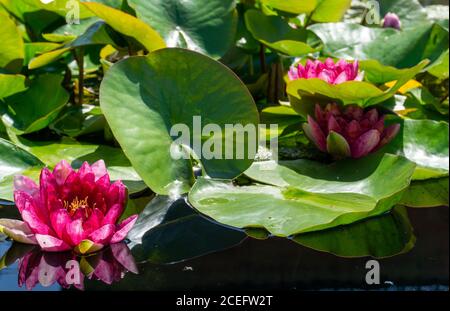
(302, 196)
(380, 237)
(277, 34)
(144, 97)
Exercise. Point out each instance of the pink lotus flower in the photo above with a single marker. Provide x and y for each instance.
(107, 266)
(327, 71)
(352, 133)
(70, 209)
(391, 20)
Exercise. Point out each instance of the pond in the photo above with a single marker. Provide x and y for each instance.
(411, 246)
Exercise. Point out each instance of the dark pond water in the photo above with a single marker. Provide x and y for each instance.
(188, 252)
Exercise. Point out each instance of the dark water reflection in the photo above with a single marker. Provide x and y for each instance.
(178, 249)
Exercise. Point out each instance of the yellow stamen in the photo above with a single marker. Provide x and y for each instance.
(76, 204)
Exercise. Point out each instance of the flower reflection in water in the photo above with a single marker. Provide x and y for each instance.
(67, 269)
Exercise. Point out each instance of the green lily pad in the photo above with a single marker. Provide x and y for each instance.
(291, 6)
(438, 14)
(128, 25)
(305, 196)
(33, 49)
(401, 49)
(14, 160)
(424, 142)
(380, 237)
(97, 34)
(11, 84)
(276, 33)
(205, 26)
(427, 193)
(167, 88)
(11, 47)
(329, 11)
(39, 16)
(77, 121)
(439, 68)
(33, 109)
(70, 32)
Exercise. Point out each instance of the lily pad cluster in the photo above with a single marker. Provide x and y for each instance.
(360, 100)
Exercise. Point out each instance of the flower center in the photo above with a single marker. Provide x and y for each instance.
(77, 204)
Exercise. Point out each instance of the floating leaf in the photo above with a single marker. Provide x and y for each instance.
(97, 34)
(440, 68)
(205, 26)
(313, 198)
(424, 142)
(427, 193)
(170, 87)
(33, 49)
(292, 6)
(11, 47)
(128, 25)
(276, 33)
(33, 109)
(384, 236)
(329, 11)
(401, 49)
(11, 84)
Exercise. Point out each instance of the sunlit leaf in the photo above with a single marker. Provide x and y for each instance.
(384, 236)
(143, 97)
(277, 34)
(205, 26)
(302, 196)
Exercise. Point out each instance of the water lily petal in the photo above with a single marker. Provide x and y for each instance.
(17, 230)
(117, 194)
(21, 198)
(366, 143)
(27, 185)
(123, 228)
(49, 243)
(59, 219)
(75, 231)
(389, 134)
(103, 234)
(33, 221)
(113, 214)
(94, 221)
(99, 169)
(315, 134)
(333, 125)
(123, 255)
(61, 171)
(341, 78)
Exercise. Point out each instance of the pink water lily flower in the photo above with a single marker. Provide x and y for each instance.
(333, 73)
(351, 133)
(70, 210)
